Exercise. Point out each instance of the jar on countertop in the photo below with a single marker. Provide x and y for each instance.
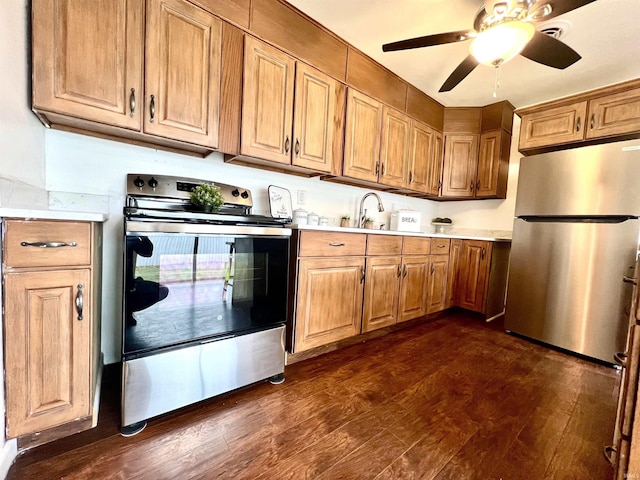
(300, 216)
(323, 221)
(313, 219)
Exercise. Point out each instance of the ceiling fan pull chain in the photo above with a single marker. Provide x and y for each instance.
(496, 84)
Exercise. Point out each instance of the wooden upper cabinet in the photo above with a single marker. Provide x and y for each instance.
(493, 165)
(395, 148)
(557, 125)
(314, 127)
(362, 137)
(87, 59)
(460, 164)
(267, 103)
(182, 79)
(614, 114)
(421, 152)
(436, 164)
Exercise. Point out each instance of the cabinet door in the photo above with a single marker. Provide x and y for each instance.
(553, 126)
(267, 102)
(420, 158)
(329, 300)
(493, 164)
(381, 287)
(49, 349)
(315, 99)
(460, 163)
(87, 59)
(435, 169)
(473, 275)
(437, 284)
(394, 151)
(452, 275)
(182, 78)
(413, 287)
(362, 137)
(614, 114)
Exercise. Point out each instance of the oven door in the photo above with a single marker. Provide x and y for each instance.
(189, 283)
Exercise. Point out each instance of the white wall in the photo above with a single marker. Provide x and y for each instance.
(21, 146)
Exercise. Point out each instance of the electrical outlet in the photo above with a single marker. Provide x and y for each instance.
(302, 197)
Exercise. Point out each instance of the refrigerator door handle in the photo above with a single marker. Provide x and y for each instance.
(630, 280)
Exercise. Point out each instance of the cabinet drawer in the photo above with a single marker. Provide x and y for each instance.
(60, 236)
(384, 245)
(417, 246)
(440, 246)
(331, 244)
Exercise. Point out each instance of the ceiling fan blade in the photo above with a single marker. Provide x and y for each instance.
(558, 7)
(459, 74)
(549, 51)
(428, 40)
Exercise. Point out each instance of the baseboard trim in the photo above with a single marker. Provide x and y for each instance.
(7, 456)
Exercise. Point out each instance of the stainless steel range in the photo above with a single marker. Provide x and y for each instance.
(205, 297)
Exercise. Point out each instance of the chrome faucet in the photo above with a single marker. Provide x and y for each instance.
(362, 213)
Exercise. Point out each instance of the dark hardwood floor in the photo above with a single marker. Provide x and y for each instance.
(453, 398)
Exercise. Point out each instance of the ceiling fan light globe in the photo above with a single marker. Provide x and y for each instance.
(499, 44)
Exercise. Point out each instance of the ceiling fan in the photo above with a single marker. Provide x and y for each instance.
(501, 30)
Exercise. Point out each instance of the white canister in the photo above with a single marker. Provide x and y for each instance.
(313, 219)
(300, 216)
(323, 221)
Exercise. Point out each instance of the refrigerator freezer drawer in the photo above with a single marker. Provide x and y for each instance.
(565, 284)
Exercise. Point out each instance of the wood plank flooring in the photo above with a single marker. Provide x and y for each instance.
(454, 398)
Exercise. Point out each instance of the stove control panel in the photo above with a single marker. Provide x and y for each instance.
(163, 186)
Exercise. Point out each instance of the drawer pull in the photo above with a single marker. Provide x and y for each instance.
(336, 244)
(399, 271)
(79, 302)
(620, 358)
(441, 245)
(609, 452)
(404, 271)
(626, 279)
(49, 244)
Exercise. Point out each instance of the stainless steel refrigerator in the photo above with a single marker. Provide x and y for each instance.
(575, 238)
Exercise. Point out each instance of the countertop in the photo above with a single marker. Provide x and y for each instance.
(52, 214)
(452, 232)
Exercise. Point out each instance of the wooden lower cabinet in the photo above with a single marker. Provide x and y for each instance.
(329, 300)
(51, 316)
(48, 355)
(473, 273)
(413, 287)
(437, 283)
(381, 292)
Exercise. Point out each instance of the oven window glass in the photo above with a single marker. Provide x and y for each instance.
(183, 288)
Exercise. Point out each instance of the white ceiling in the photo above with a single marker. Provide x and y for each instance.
(605, 33)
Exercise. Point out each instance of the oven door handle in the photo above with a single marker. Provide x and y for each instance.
(133, 228)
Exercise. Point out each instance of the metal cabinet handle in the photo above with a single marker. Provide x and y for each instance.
(132, 101)
(410, 176)
(433, 268)
(440, 246)
(484, 252)
(608, 452)
(287, 144)
(362, 273)
(578, 124)
(383, 169)
(399, 271)
(630, 280)
(477, 185)
(297, 147)
(592, 123)
(79, 302)
(336, 244)
(49, 244)
(471, 186)
(152, 108)
(377, 168)
(621, 359)
(404, 271)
